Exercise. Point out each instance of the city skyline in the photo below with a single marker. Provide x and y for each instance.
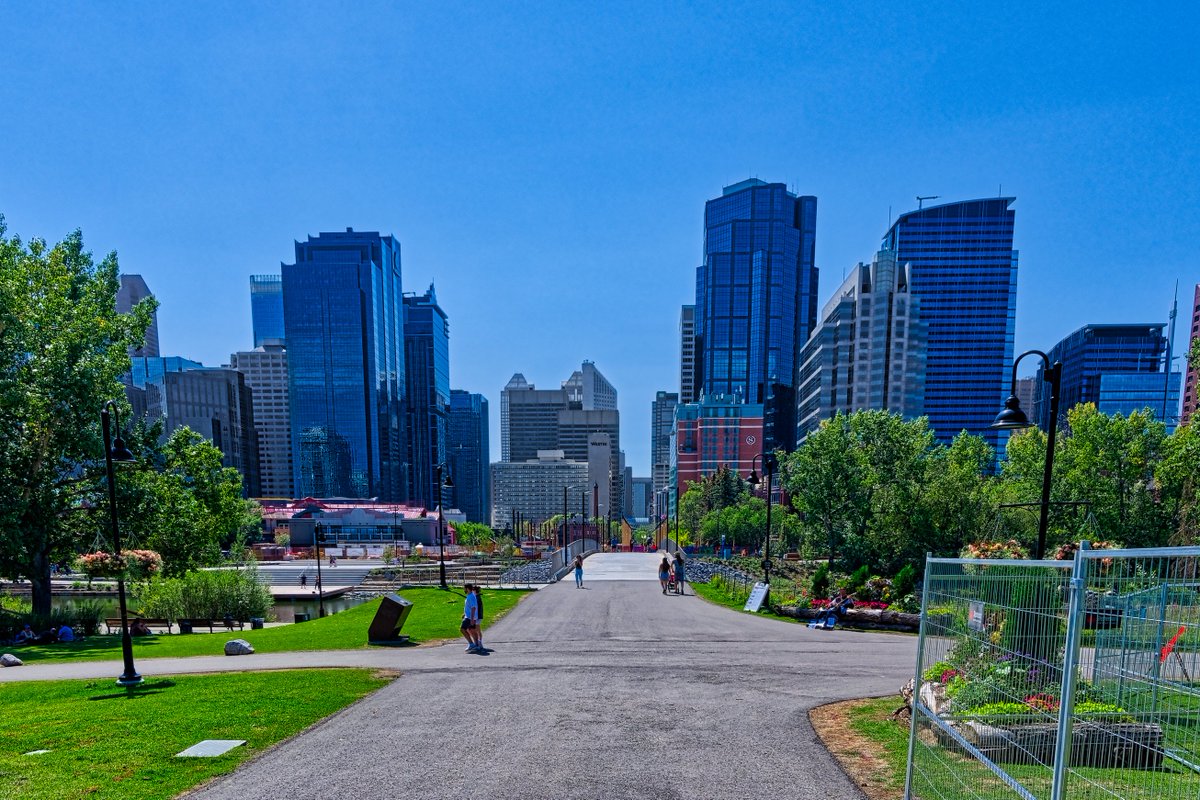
(531, 161)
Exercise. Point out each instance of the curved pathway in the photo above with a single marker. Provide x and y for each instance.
(612, 691)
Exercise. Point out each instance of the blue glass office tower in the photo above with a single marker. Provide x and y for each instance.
(427, 361)
(1094, 356)
(266, 308)
(344, 325)
(468, 453)
(756, 299)
(964, 269)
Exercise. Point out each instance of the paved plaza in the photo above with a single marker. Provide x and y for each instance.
(610, 691)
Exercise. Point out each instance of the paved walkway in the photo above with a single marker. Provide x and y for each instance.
(611, 691)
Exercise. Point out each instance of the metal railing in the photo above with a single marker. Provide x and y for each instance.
(1057, 679)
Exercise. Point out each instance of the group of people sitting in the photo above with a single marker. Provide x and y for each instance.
(672, 575)
(27, 635)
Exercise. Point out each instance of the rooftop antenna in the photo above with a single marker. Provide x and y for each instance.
(921, 200)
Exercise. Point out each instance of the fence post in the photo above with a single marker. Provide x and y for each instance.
(1066, 700)
(916, 698)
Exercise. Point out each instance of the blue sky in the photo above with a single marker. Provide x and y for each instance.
(547, 165)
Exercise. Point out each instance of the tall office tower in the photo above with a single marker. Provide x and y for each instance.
(528, 419)
(869, 350)
(266, 308)
(1191, 392)
(662, 422)
(1096, 354)
(215, 403)
(963, 267)
(535, 487)
(1027, 393)
(689, 349)
(344, 326)
(627, 486)
(146, 369)
(266, 373)
(577, 429)
(427, 365)
(590, 389)
(643, 490)
(756, 298)
(467, 454)
(134, 290)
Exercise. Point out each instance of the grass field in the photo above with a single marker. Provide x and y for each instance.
(435, 615)
(117, 744)
(735, 600)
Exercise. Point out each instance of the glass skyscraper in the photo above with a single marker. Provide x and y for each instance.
(469, 455)
(964, 269)
(427, 362)
(344, 326)
(266, 308)
(756, 298)
(1094, 356)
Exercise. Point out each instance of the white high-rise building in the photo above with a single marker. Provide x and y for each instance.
(266, 372)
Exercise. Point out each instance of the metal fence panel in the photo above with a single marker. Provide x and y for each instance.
(1059, 679)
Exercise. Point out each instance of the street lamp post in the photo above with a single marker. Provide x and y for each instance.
(1013, 418)
(116, 451)
(449, 484)
(596, 511)
(769, 464)
(319, 537)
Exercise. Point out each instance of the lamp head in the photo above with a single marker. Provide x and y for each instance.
(1012, 417)
(448, 482)
(753, 479)
(120, 453)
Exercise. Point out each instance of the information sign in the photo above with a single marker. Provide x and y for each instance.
(757, 595)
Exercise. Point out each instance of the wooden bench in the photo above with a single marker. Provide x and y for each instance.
(213, 624)
(114, 624)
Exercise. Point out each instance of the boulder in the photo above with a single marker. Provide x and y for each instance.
(238, 647)
(9, 660)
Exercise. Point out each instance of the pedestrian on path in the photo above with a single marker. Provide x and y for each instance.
(479, 625)
(470, 620)
(664, 573)
(578, 572)
(680, 572)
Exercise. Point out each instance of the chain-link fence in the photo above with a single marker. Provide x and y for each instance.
(1057, 679)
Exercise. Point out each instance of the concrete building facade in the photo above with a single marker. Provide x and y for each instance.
(265, 371)
(1191, 390)
(132, 291)
(535, 487)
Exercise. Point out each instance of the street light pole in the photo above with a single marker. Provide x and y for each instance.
(1013, 418)
(769, 464)
(448, 483)
(318, 537)
(117, 451)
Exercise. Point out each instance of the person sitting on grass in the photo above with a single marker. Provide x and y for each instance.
(832, 615)
(26, 635)
(66, 634)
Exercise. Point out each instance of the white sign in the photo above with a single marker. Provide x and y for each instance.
(757, 595)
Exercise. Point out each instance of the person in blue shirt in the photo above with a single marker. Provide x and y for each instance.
(470, 621)
(578, 572)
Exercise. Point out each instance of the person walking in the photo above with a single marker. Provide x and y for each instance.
(478, 590)
(578, 572)
(680, 572)
(664, 573)
(470, 620)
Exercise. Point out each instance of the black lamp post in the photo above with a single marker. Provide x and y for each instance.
(769, 471)
(596, 511)
(1012, 418)
(116, 451)
(678, 547)
(319, 537)
(449, 484)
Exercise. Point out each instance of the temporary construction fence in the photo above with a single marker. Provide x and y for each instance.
(1058, 679)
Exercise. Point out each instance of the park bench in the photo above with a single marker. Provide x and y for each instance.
(212, 624)
(114, 624)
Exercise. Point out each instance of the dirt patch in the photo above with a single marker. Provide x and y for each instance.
(860, 758)
(386, 674)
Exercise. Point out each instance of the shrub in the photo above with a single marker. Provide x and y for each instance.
(206, 594)
(820, 582)
(935, 672)
(858, 579)
(905, 581)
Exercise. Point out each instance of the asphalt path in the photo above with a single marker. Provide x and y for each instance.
(610, 691)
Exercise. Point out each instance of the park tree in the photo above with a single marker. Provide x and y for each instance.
(63, 348)
(472, 534)
(721, 489)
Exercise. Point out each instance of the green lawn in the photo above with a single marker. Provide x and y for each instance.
(111, 743)
(735, 600)
(435, 615)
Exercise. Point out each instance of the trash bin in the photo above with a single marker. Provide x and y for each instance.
(302, 617)
(256, 623)
(185, 627)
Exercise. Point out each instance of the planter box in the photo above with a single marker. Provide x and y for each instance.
(1131, 745)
